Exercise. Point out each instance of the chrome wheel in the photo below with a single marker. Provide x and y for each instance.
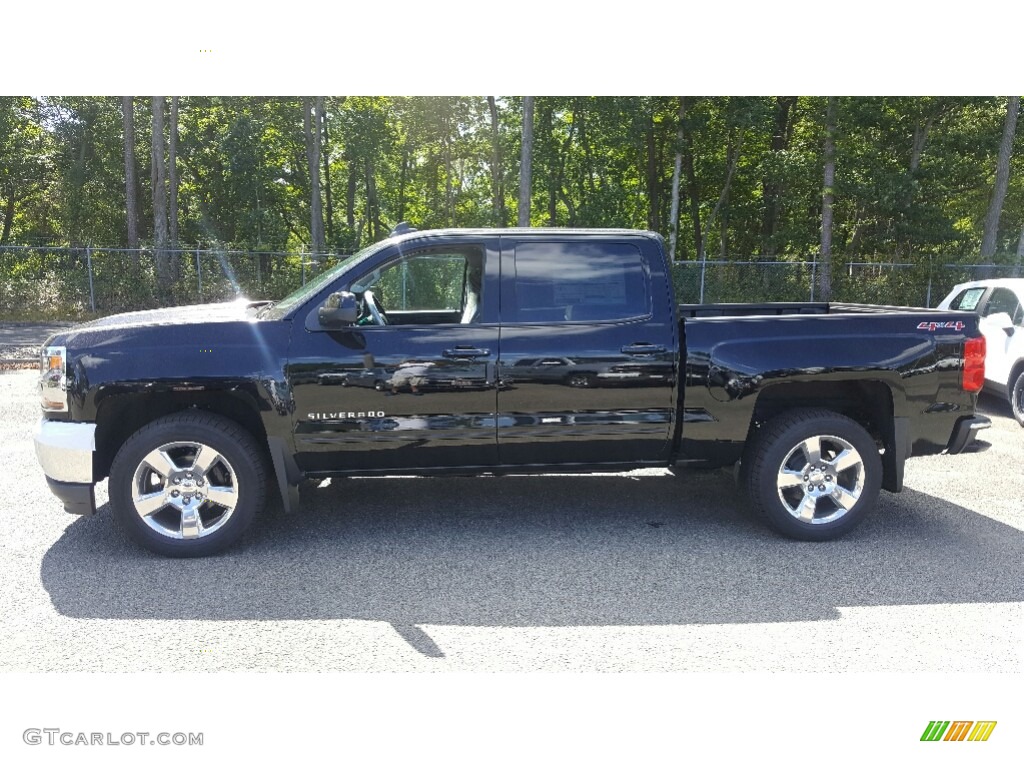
(184, 490)
(821, 479)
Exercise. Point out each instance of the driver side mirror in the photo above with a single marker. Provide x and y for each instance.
(338, 310)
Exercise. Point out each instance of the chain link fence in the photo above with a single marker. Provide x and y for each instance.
(922, 284)
(77, 283)
(38, 283)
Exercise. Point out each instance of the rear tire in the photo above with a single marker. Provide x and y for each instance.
(1017, 398)
(814, 474)
(188, 485)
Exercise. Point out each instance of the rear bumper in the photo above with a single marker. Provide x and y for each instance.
(965, 431)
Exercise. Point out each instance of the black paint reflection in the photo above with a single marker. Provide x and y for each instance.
(592, 372)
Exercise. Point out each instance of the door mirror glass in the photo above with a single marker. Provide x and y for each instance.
(340, 309)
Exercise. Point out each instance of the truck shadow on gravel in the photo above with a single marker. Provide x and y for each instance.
(541, 551)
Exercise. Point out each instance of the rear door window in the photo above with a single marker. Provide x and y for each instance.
(560, 281)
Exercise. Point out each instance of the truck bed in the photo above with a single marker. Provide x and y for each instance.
(788, 308)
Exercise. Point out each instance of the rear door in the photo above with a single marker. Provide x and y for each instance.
(589, 351)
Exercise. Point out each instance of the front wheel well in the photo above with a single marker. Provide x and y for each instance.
(120, 416)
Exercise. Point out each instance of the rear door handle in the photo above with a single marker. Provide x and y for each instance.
(643, 348)
(466, 352)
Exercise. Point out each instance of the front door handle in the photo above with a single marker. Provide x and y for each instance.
(466, 352)
(643, 348)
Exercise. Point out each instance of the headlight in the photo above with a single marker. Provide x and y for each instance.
(53, 381)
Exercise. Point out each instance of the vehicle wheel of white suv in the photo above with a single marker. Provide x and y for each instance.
(1017, 398)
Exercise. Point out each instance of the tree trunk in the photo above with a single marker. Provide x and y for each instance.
(350, 195)
(130, 190)
(723, 230)
(732, 158)
(326, 156)
(556, 185)
(372, 203)
(995, 208)
(653, 197)
(1020, 253)
(9, 219)
(159, 184)
(446, 152)
(449, 196)
(824, 275)
(172, 173)
(497, 182)
(526, 163)
(691, 186)
(311, 124)
(771, 184)
(402, 175)
(917, 148)
(562, 191)
(590, 170)
(677, 171)
(75, 213)
(905, 242)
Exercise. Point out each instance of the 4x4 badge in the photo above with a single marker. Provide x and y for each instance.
(953, 325)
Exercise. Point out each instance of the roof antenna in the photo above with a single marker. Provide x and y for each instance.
(402, 228)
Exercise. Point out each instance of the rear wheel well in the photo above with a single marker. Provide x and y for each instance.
(1014, 373)
(120, 416)
(869, 403)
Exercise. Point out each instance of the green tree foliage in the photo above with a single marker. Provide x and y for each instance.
(25, 152)
(913, 176)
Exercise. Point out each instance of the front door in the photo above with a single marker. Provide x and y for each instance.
(1002, 320)
(413, 384)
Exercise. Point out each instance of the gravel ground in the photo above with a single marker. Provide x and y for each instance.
(21, 341)
(633, 572)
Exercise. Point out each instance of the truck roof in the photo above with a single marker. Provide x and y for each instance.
(522, 231)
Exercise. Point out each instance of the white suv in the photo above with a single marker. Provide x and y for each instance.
(1000, 304)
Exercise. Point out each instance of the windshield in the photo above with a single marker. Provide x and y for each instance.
(299, 296)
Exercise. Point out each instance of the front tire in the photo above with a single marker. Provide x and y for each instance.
(814, 474)
(187, 485)
(1017, 397)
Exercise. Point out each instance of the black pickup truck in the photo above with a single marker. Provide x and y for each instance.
(497, 351)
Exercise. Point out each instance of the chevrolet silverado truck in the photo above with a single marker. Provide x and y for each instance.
(497, 351)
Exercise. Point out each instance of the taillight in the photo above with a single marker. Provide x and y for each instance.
(973, 377)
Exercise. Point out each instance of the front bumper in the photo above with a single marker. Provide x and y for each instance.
(965, 431)
(77, 498)
(65, 450)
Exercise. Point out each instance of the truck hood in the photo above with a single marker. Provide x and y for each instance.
(192, 314)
